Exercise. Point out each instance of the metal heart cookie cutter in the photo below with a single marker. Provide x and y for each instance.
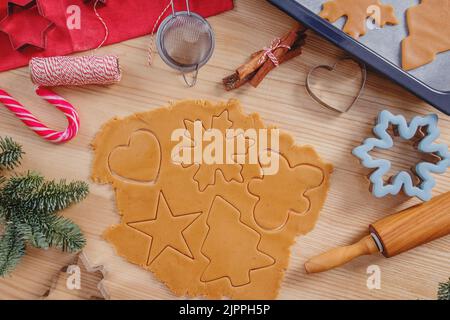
(185, 42)
(424, 131)
(316, 98)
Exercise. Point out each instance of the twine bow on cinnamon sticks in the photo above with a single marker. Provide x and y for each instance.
(264, 61)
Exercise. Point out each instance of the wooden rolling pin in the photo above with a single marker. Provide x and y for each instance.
(392, 235)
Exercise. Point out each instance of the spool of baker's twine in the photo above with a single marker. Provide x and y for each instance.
(37, 126)
(75, 71)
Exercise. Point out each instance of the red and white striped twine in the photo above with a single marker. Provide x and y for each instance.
(151, 48)
(37, 126)
(99, 17)
(268, 52)
(75, 71)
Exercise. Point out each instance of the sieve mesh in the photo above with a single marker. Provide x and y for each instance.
(187, 40)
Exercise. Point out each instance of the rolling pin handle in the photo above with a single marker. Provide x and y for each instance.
(339, 256)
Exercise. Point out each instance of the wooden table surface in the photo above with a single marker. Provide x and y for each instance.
(282, 100)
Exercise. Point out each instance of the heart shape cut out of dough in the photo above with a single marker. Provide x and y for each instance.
(139, 161)
(341, 84)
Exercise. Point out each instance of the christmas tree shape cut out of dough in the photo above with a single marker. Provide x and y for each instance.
(357, 12)
(226, 233)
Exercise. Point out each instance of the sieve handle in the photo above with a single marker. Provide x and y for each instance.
(194, 79)
(188, 9)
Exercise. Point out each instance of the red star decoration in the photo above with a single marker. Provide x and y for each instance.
(25, 25)
(20, 5)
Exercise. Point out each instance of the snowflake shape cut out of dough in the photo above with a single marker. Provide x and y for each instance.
(206, 174)
(423, 169)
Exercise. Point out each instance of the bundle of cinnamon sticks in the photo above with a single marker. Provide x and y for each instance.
(260, 64)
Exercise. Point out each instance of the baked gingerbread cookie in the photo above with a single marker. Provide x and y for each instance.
(211, 200)
(429, 33)
(357, 12)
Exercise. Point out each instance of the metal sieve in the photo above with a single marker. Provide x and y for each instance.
(185, 42)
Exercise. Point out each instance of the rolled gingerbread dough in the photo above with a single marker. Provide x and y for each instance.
(204, 229)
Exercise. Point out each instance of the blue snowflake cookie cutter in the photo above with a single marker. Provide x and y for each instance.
(428, 127)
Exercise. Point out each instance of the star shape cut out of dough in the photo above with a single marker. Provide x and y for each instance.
(166, 230)
(25, 25)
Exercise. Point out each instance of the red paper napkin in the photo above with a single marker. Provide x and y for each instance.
(49, 34)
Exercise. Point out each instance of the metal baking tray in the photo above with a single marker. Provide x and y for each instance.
(380, 49)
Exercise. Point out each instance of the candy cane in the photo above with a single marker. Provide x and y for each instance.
(37, 126)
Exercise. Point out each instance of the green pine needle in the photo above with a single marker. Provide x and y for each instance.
(33, 235)
(19, 189)
(10, 153)
(444, 290)
(32, 194)
(28, 211)
(62, 233)
(54, 196)
(12, 249)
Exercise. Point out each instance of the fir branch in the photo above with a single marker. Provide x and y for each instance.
(29, 194)
(12, 249)
(20, 188)
(3, 213)
(444, 290)
(10, 153)
(28, 207)
(31, 204)
(33, 234)
(54, 196)
(64, 234)
(44, 231)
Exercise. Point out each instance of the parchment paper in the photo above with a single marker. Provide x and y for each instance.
(387, 43)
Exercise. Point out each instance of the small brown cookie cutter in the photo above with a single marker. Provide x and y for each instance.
(95, 291)
(332, 68)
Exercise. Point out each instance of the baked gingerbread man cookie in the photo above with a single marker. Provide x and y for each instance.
(211, 199)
